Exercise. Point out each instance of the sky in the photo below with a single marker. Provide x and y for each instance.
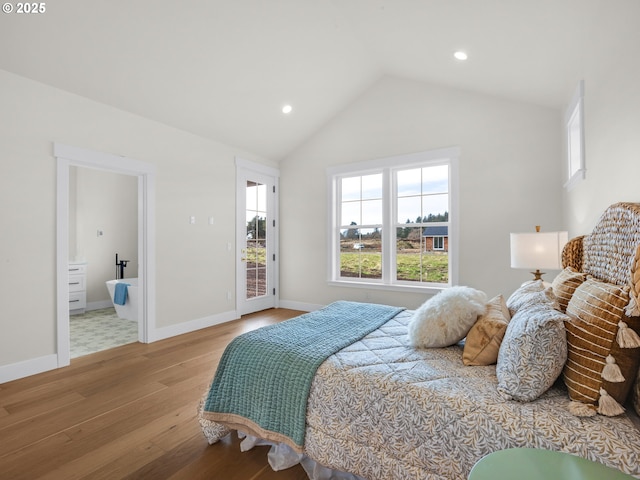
(421, 191)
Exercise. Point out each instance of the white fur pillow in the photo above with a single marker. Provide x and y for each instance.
(447, 317)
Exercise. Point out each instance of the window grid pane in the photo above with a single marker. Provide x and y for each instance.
(418, 259)
(361, 253)
(361, 201)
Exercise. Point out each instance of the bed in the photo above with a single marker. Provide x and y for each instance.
(378, 407)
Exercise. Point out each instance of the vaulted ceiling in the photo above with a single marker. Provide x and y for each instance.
(223, 69)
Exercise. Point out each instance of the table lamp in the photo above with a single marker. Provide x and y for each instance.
(538, 251)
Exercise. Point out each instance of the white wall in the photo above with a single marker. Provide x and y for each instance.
(510, 180)
(612, 128)
(194, 177)
(107, 202)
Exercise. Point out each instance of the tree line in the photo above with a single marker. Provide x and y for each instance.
(404, 233)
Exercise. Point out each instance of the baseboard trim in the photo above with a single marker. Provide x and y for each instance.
(191, 326)
(34, 366)
(27, 368)
(99, 305)
(305, 307)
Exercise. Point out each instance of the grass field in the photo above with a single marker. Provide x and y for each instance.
(414, 267)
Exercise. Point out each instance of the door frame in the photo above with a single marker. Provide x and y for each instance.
(66, 157)
(244, 169)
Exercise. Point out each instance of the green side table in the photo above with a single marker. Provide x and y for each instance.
(536, 464)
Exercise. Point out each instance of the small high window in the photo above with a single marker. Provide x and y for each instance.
(574, 120)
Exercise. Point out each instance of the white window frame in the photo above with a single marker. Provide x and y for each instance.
(387, 166)
(574, 138)
(440, 241)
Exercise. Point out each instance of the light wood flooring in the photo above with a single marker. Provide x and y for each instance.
(129, 412)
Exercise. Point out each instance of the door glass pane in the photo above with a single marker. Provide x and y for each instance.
(256, 241)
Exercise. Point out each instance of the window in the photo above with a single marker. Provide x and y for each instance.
(574, 119)
(392, 221)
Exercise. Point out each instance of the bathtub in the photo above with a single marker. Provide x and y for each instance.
(130, 308)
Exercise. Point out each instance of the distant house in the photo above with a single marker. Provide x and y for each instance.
(436, 239)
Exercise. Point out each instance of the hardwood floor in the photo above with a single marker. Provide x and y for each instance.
(129, 412)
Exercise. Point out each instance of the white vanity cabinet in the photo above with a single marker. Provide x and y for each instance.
(77, 288)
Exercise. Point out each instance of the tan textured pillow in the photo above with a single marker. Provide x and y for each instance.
(565, 284)
(598, 370)
(483, 340)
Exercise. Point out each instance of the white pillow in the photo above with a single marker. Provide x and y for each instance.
(447, 317)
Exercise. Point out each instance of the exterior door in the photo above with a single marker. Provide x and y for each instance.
(256, 266)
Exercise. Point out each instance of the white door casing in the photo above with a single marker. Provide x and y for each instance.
(66, 157)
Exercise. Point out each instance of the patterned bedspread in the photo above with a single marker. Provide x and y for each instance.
(384, 410)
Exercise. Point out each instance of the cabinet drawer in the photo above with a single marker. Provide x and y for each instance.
(77, 300)
(77, 269)
(77, 283)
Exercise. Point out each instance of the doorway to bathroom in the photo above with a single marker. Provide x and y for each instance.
(103, 251)
(79, 240)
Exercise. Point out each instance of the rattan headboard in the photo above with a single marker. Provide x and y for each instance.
(611, 252)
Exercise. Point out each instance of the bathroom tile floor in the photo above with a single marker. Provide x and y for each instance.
(98, 330)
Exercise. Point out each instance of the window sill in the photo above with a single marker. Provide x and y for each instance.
(425, 289)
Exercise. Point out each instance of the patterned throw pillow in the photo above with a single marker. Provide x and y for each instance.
(533, 352)
(483, 340)
(601, 366)
(565, 284)
(531, 293)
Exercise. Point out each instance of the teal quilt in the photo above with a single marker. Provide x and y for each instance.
(264, 376)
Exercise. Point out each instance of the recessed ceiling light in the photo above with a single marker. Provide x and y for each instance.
(287, 109)
(460, 55)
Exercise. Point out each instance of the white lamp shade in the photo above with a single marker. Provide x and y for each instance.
(538, 250)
